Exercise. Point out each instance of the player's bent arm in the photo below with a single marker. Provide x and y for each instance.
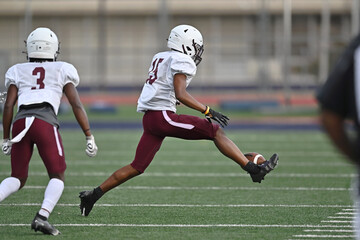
(183, 96)
(77, 107)
(8, 112)
(334, 125)
(81, 116)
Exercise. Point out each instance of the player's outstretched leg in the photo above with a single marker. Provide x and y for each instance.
(265, 168)
(41, 224)
(88, 199)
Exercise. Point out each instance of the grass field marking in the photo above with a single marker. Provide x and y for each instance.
(170, 174)
(345, 213)
(215, 153)
(239, 188)
(282, 154)
(275, 175)
(327, 232)
(183, 225)
(336, 221)
(330, 230)
(323, 236)
(185, 205)
(185, 163)
(206, 188)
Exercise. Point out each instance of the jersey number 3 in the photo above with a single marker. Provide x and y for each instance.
(40, 73)
(154, 70)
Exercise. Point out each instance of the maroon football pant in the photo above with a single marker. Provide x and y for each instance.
(49, 145)
(160, 124)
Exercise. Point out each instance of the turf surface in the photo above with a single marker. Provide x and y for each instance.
(191, 191)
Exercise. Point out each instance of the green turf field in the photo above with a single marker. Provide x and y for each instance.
(191, 191)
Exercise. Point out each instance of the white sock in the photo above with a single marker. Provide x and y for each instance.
(52, 195)
(8, 186)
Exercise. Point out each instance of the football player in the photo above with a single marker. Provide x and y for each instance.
(170, 73)
(37, 86)
(339, 99)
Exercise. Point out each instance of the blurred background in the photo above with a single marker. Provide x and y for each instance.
(257, 52)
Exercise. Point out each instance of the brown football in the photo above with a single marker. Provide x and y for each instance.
(255, 157)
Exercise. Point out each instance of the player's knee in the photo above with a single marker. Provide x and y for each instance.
(60, 176)
(219, 134)
(22, 182)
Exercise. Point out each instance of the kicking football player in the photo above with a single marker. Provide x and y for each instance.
(170, 73)
(38, 86)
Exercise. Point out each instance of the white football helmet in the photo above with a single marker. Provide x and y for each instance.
(42, 43)
(188, 40)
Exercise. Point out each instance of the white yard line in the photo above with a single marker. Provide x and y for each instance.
(207, 175)
(324, 236)
(223, 163)
(345, 217)
(277, 175)
(186, 205)
(327, 233)
(337, 221)
(186, 225)
(330, 230)
(205, 188)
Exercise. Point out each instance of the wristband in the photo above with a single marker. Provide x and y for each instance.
(206, 110)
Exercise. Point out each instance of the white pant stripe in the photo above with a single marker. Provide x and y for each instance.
(58, 142)
(176, 124)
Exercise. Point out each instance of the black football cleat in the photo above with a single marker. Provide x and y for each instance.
(87, 202)
(41, 224)
(265, 168)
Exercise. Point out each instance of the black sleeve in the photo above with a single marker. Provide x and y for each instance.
(337, 94)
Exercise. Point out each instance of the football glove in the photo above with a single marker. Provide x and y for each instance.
(6, 146)
(91, 148)
(217, 116)
(265, 168)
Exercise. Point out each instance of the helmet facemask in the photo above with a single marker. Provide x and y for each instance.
(199, 49)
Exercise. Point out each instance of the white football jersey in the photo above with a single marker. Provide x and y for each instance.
(41, 82)
(158, 92)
